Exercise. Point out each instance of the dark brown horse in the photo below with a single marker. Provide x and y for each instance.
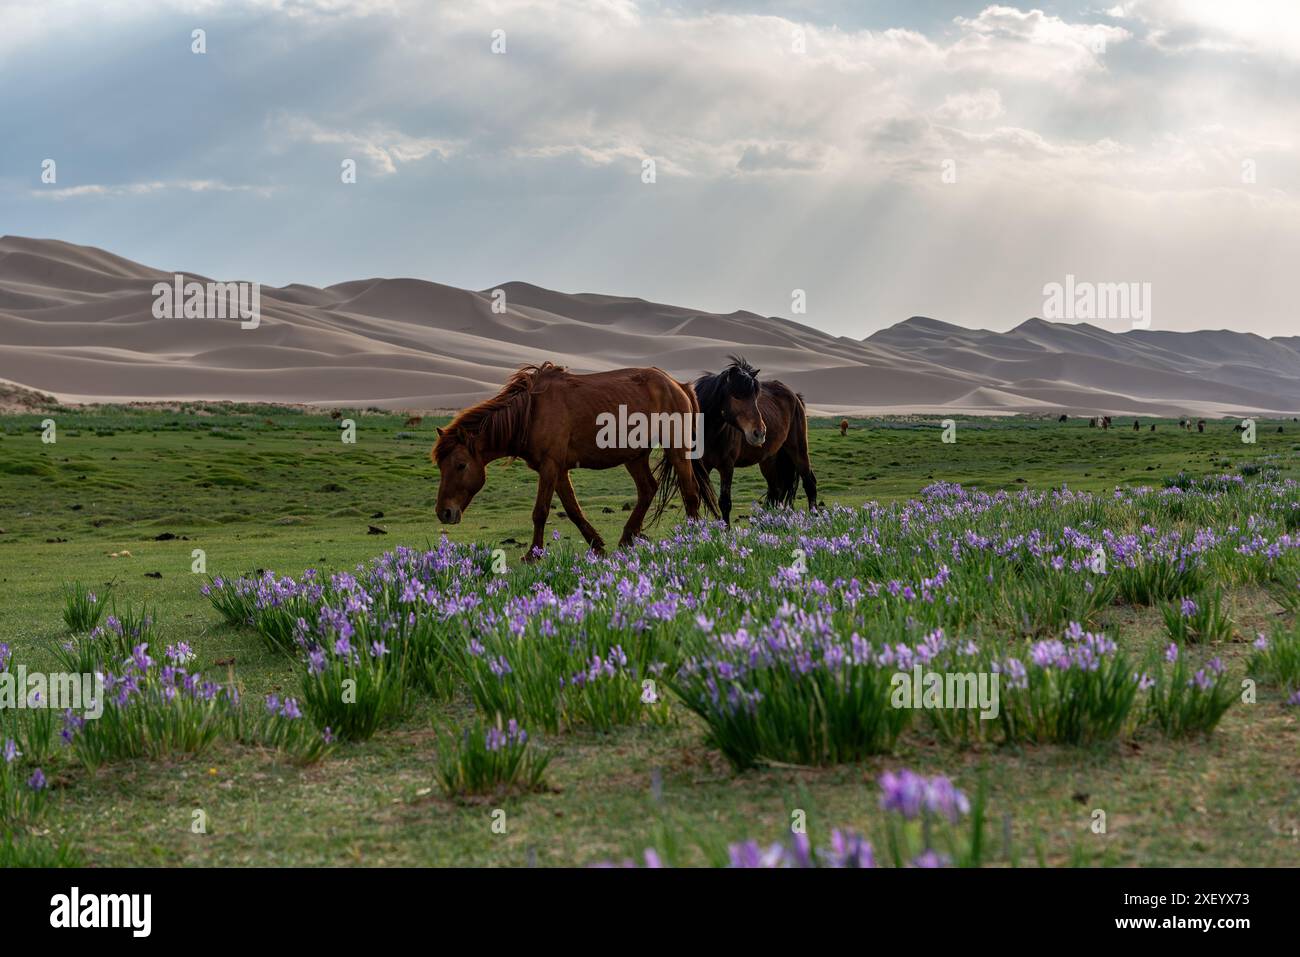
(777, 444)
(557, 421)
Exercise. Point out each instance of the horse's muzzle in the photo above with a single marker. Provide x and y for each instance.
(756, 437)
(449, 515)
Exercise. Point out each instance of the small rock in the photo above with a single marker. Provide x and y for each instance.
(153, 574)
(375, 530)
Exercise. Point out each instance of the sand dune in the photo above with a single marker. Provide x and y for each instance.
(76, 322)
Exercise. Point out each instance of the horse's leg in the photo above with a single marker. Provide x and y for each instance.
(546, 476)
(646, 486)
(810, 486)
(569, 499)
(769, 469)
(686, 482)
(725, 472)
(803, 465)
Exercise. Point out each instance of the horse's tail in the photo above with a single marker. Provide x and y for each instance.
(666, 475)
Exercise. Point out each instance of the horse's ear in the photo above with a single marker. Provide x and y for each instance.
(438, 430)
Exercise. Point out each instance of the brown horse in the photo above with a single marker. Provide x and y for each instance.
(777, 444)
(844, 426)
(557, 421)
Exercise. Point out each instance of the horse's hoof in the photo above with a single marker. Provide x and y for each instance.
(531, 556)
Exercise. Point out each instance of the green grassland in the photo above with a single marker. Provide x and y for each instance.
(271, 488)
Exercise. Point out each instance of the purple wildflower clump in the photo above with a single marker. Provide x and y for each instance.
(510, 736)
(1185, 699)
(913, 795)
(22, 788)
(489, 758)
(1276, 659)
(1078, 688)
(152, 709)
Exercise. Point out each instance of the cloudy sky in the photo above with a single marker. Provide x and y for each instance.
(889, 158)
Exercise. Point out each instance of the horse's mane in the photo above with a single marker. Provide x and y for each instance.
(499, 422)
(739, 379)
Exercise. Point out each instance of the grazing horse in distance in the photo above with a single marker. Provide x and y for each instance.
(1137, 427)
(557, 421)
(731, 400)
(413, 421)
(844, 426)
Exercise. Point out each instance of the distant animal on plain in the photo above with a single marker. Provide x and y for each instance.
(412, 422)
(1153, 426)
(336, 414)
(748, 422)
(1063, 418)
(1105, 422)
(1136, 426)
(1200, 425)
(556, 421)
(844, 426)
(1092, 423)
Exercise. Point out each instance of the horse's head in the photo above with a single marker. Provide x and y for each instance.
(739, 406)
(461, 471)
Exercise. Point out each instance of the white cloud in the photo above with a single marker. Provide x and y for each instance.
(144, 188)
(385, 149)
(1269, 27)
(1032, 43)
(975, 107)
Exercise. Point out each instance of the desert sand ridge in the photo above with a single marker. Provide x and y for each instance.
(76, 322)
